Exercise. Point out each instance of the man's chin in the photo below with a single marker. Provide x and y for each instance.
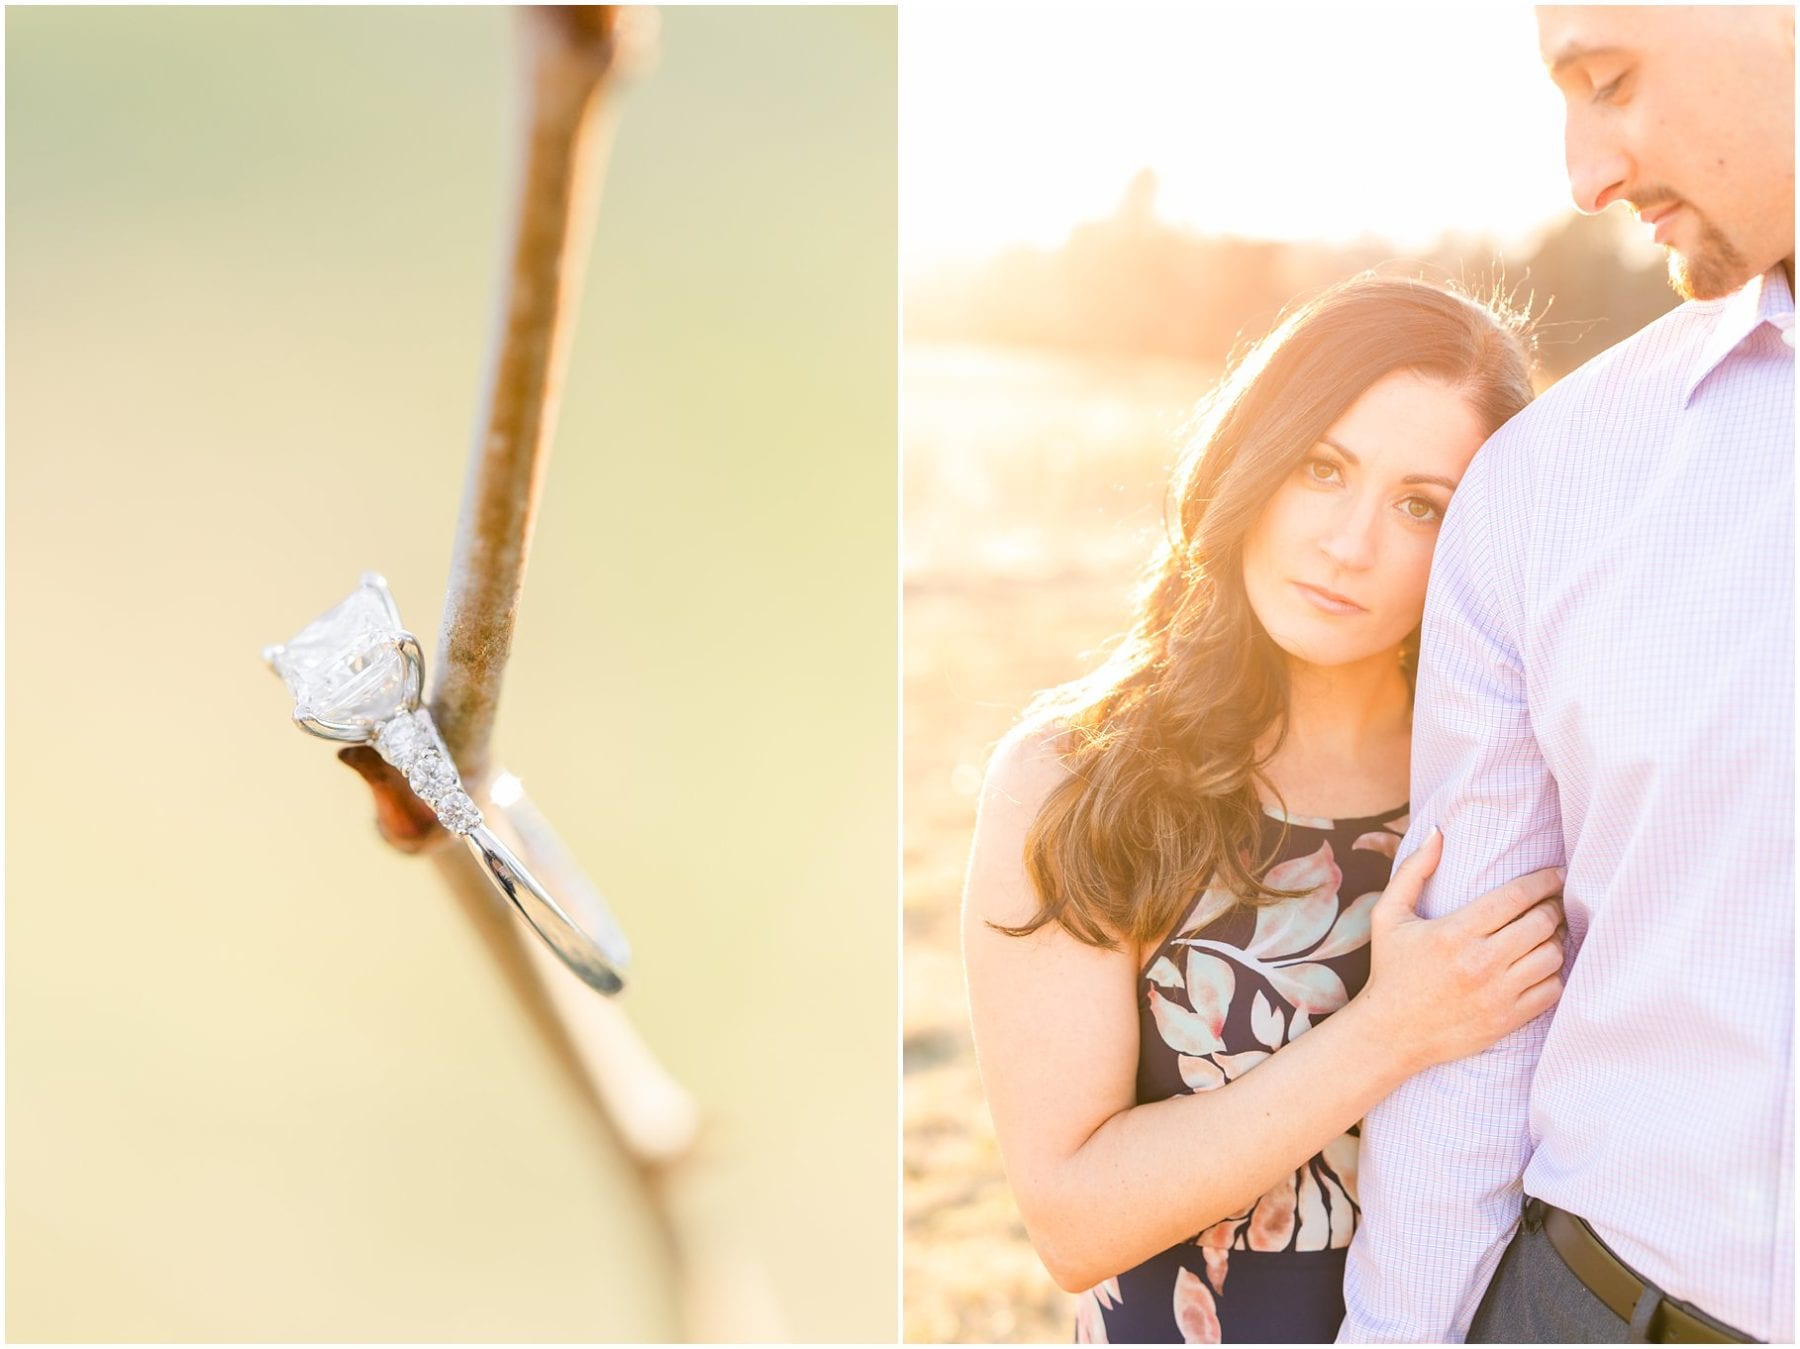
(1710, 272)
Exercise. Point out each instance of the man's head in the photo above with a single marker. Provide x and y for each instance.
(1687, 113)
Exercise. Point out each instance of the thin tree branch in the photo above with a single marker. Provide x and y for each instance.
(655, 1116)
(405, 821)
(724, 1294)
(572, 56)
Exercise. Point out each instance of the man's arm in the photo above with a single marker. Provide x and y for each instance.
(1442, 1156)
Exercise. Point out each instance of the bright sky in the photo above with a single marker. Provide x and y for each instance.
(1261, 120)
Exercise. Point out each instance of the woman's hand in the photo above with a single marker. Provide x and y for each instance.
(1448, 987)
(1104, 1181)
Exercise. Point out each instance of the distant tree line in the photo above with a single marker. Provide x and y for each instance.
(1134, 284)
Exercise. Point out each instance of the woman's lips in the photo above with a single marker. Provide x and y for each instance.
(1328, 601)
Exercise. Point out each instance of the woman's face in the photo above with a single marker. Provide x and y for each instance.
(1335, 568)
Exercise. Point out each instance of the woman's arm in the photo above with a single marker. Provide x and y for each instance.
(1104, 1183)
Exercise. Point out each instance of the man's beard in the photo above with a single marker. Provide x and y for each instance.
(1715, 268)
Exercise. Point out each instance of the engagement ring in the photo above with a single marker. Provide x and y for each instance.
(357, 676)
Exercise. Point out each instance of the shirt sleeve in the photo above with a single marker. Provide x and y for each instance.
(1443, 1155)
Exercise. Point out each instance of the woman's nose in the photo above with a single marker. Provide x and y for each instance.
(1351, 544)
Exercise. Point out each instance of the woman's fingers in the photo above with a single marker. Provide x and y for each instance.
(1497, 908)
(1540, 962)
(1539, 998)
(1535, 925)
(1401, 898)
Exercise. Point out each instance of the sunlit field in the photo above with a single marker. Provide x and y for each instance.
(1034, 491)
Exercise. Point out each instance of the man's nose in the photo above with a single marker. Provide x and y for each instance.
(1598, 168)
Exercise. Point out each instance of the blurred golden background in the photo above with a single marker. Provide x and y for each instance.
(263, 1080)
(1099, 210)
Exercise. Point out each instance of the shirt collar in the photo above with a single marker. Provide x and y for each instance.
(1766, 299)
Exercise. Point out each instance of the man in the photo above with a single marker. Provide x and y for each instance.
(1607, 683)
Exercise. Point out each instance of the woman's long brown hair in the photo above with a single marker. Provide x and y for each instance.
(1160, 742)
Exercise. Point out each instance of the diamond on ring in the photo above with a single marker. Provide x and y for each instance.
(356, 674)
(350, 668)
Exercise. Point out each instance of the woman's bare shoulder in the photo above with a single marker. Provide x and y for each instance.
(1030, 762)
(1025, 768)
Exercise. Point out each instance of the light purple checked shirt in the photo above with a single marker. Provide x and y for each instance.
(1607, 683)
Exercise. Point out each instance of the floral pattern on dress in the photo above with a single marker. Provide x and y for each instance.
(1231, 988)
(1313, 1209)
(1196, 1314)
(1090, 1312)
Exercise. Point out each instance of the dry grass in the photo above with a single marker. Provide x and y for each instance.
(1034, 492)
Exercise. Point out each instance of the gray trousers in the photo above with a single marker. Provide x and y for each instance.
(1534, 1299)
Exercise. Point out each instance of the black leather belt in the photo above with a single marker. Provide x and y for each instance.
(1645, 1307)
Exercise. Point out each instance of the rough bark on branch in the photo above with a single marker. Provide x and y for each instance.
(572, 58)
(573, 55)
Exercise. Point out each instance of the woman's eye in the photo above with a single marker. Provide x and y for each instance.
(1418, 508)
(1321, 470)
(1606, 93)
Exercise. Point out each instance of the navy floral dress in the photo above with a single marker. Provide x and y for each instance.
(1213, 1003)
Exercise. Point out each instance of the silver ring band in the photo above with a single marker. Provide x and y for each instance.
(600, 958)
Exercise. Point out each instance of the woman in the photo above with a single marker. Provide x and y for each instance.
(1180, 860)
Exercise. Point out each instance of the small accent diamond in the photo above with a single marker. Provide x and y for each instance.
(402, 739)
(458, 813)
(411, 743)
(431, 775)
